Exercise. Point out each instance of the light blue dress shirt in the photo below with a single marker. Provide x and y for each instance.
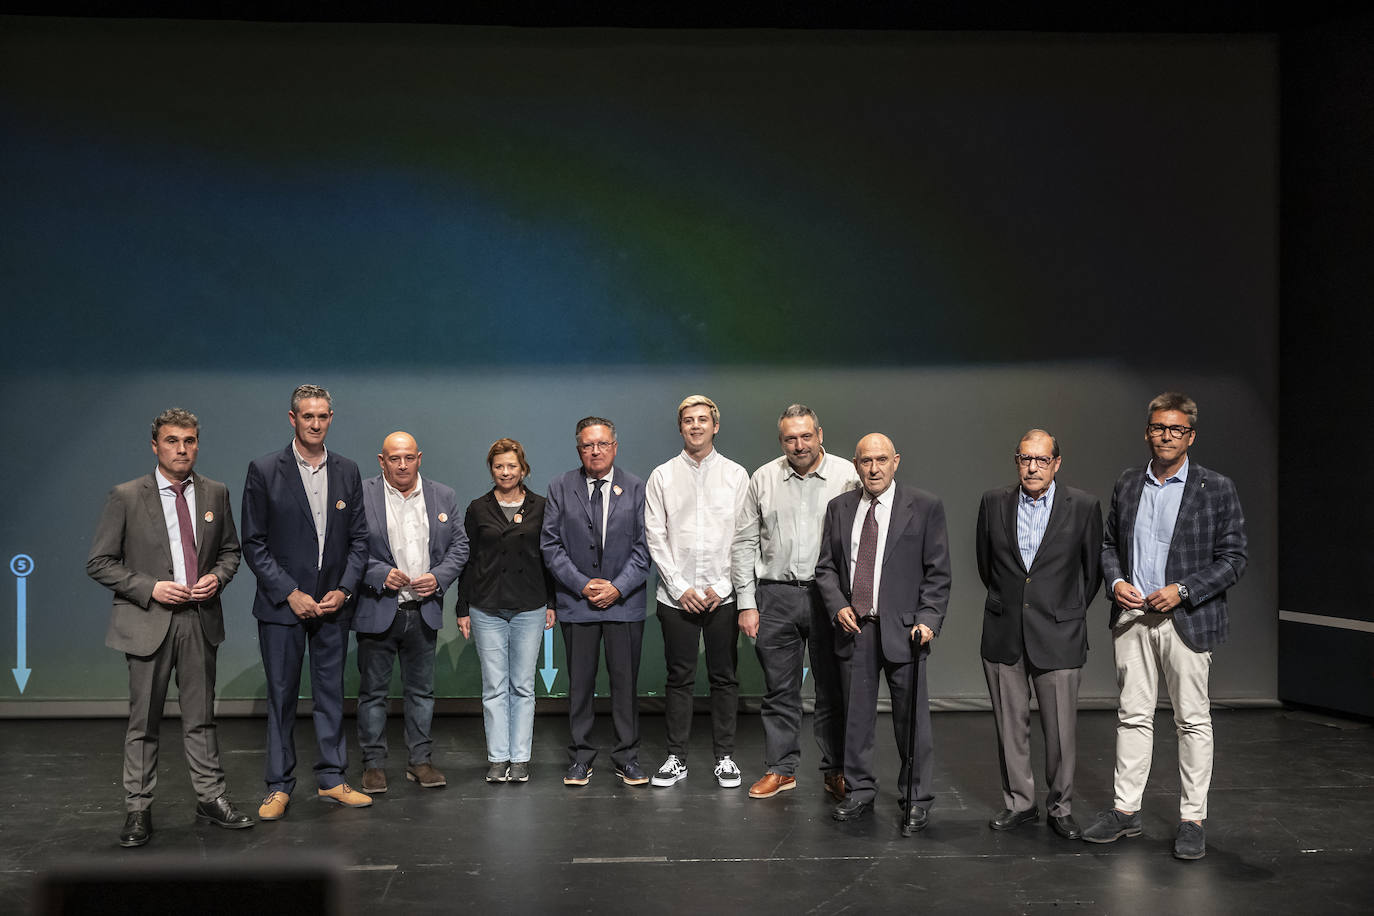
(1154, 528)
(1032, 515)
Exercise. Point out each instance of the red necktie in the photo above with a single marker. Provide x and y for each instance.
(188, 534)
(862, 600)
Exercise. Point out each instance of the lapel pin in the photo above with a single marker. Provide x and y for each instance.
(209, 516)
(340, 504)
(616, 490)
(518, 518)
(443, 516)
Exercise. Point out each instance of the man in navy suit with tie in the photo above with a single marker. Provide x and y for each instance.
(1174, 543)
(305, 538)
(416, 549)
(1038, 546)
(593, 543)
(884, 575)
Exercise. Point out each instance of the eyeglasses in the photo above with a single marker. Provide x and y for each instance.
(1173, 432)
(1041, 461)
(595, 447)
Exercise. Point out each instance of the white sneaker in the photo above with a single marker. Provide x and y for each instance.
(727, 774)
(671, 771)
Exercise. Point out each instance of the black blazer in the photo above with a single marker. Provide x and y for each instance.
(1043, 608)
(505, 569)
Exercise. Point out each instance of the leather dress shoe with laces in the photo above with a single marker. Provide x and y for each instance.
(632, 774)
(834, 784)
(273, 807)
(346, 795)
(1008, 819)
(579, 774)
(138, 828)
(1066, 827)
(850, 809)
(1191, 841)
(222, 814)
(771, 784)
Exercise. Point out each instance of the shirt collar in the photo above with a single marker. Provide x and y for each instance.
(305, 464)
(1180, 476)
(164, 484)
(817, 471)
(610, 475)
(883, 499)
(693, 463)
(1047, 497)
(419, 486)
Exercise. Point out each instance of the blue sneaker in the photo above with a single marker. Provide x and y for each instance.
(579, 774)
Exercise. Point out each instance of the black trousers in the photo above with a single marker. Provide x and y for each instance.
(683, 632)
(583, 644)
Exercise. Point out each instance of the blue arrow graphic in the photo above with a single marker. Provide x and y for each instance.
(548, 672)
(21, 565)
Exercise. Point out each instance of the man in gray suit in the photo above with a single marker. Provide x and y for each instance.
(1038, 545)
(167, 547)
(884, 575)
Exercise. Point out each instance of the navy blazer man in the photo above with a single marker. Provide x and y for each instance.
(416, 549)
(305, 538)
(593, 544)
(1174, 543)
(887, 630)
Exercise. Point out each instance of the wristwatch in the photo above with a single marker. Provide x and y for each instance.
(1182, 592)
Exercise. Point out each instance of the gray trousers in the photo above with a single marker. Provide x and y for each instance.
(1057, 693)
(186, 651)
(793, 622)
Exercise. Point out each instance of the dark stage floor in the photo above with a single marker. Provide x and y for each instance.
(1291, 827)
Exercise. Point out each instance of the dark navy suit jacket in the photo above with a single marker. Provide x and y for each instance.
(279, 540)
(570, 552)
(1207, 553)
(448, 552)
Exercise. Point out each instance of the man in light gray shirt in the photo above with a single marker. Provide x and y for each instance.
(773, 563)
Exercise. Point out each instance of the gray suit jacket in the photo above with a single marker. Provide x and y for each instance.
(916, 576)
(131, 552)
(1043, 608)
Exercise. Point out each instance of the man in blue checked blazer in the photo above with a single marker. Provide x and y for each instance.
(1174, 543)
(594, 545)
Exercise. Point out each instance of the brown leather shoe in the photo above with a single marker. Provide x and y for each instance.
(426, 775)
(834, 784)
(771, 784)
(374, 780)
(346, 795)
(274, 806)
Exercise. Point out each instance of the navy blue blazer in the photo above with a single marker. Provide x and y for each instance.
(448, 552)
(570, 552)
(1207, 553)
(279, 541)
(916, 575)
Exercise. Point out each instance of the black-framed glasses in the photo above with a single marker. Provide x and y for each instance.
(1040, 461)
(595, 446)
(1173, 432)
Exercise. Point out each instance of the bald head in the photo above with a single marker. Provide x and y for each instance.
(876, 460)
(400, 461)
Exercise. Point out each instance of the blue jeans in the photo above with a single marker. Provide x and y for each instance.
(508, 648)
(414, 641)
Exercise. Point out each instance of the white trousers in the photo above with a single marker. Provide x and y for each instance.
(1144, 648)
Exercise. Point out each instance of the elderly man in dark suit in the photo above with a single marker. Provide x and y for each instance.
(1038, 544)
(593, 544)
(305, 538)
(883, 573)
(166, 547)
(416, 548)
(1174, 543)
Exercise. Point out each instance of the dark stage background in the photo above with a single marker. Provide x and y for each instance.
(477, 232)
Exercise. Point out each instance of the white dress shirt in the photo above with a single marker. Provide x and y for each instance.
(316, 483)
(689, 521)
(605, 499)
(883, 515)
(168, 491)
(407, 530)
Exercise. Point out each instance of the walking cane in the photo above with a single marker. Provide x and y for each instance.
(908, 815)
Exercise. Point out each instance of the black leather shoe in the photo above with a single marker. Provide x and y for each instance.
(918, 820)
(138, 828)
(222, 814)
(1066, 827)
(850, 809)
(1008, 819)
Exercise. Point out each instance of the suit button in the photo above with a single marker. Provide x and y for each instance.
(594, 566)
(1027, 578)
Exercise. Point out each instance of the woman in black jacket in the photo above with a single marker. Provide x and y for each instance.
(506, 600)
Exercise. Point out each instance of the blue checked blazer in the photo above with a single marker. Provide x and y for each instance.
(1207, 553)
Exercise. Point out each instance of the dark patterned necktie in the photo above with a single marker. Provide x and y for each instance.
(862, 601)
(188, 534)
(598, 524)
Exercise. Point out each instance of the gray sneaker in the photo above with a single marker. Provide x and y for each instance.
(1112, 825)
(519, 772)
(498, 772)
(1191, 842)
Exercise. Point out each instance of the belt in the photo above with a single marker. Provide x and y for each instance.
(796, 583)
(409, 605)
